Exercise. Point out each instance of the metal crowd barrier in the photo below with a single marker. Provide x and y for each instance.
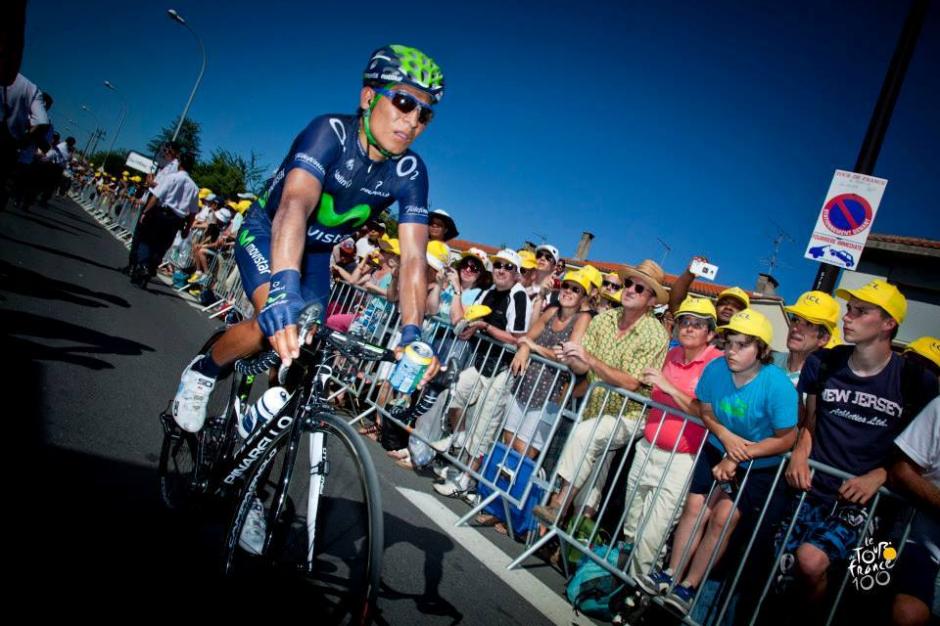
(714, 602)
(496, 397)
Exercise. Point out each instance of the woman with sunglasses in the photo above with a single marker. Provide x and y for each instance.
(340, 172)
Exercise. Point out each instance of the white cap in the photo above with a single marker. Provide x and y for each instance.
(552, 250)
(222, 216)
(507, 254)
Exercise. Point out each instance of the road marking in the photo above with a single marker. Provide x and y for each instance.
(555, 608)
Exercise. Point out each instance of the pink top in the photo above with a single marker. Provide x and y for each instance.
(684, 376)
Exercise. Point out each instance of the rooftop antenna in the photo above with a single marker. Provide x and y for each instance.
(542, 238)
(666, 250)
(773, 261)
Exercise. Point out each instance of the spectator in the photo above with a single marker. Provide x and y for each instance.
(813, 320)
(172, 206)
(369, 243)
(169, 154)
(560, 268)
(530, 417)
(217, 237)
(527, 272)
(488, 376)
(917, 472)
(458, 287)
(858, 400)
(750, 408)
(666, 453)
(617, 348)
(441, 226)
(926, 351)
(608, 297)
(343, 256)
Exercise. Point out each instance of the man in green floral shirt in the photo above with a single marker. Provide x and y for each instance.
(618, 345)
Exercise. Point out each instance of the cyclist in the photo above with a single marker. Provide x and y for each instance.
(341, 171)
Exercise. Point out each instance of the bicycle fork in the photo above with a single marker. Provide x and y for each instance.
(318, 472)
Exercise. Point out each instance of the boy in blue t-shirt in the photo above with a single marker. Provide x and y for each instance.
(750, 408)
(858, 400)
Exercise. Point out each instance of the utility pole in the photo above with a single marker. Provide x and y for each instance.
(881, 116)
(666, 250)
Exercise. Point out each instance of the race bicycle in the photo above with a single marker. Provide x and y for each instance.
(306, 472)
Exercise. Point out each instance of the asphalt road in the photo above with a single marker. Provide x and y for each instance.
(89, 362)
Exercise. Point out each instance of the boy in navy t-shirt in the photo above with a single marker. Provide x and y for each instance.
(855, 409)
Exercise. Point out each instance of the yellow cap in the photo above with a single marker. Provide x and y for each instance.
(390, 245)
(528, 259)
(136, 179)
(579, 278)
(737, 293)
(594, 275)
(616, 296)
(243, 206)
(232, 204)
(699, 307)
(750, 322)
(205, 191)
(882, 293)
(817, 307)
(927, 347)
(835, 339)
(476, 311)
(438, 254)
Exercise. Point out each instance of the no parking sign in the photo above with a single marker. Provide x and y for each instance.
(845, 219)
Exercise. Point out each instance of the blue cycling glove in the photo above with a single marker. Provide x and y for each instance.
(284, 303)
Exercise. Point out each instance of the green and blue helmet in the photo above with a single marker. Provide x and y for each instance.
(405, 65)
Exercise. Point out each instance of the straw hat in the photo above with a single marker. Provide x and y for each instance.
(650, 273)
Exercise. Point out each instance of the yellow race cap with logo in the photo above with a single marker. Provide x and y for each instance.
(750, 322)
(927, 347)
(699, 307)
(817, 307)
(881, 293)
(737, 293)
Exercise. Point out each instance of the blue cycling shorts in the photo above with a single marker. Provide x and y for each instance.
(253, 257)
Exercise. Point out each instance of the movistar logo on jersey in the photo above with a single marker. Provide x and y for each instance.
(327, 215)
(245, 237)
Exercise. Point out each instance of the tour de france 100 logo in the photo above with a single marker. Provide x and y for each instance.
(871, 564)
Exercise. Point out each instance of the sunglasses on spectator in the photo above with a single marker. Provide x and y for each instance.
(637, 287)
(509, 267)
(545, 255)
(612, 285)
(472, 267)
(406, 103)
(575, 289)
(692, 322)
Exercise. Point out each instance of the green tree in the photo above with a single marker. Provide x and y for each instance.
(227, 173)
(188, 138)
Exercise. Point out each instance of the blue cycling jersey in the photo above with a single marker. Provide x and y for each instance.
(355, 188)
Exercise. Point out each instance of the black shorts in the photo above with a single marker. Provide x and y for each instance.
(756, 488)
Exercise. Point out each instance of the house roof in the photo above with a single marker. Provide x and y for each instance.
(908, 245)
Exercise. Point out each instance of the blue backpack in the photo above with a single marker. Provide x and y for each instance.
(593, 590)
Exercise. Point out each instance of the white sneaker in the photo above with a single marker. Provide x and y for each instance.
(192, 398)
(252, 538)
(442, 445)
(453, 488)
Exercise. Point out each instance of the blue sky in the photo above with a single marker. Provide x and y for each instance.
(709, 125)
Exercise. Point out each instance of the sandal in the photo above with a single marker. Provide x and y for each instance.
(405, 463)
(399, 455)
(485, 519)
(372, 432)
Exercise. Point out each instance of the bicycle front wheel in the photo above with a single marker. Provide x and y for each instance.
(322, 528)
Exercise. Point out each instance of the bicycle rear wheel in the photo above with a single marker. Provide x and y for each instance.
(342, 579)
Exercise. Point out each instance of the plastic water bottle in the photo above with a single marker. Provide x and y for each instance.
(267, 406)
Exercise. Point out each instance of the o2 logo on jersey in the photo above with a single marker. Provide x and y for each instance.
(408, 166)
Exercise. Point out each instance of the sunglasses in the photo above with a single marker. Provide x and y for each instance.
(691, 322)
(612, 285)
(545, 255)
(472, 267)
(575, 289)
(637, 287)
(406, 103)
(509, 267)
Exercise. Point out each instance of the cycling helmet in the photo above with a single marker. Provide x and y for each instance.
(409, 66)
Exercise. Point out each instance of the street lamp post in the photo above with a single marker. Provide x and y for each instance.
(110, 86)
(176, 17)
(94, 133)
